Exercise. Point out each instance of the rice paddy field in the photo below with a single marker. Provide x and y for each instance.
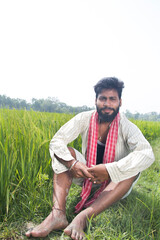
(26, 182)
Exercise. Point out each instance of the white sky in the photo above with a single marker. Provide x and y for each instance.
(61, 48)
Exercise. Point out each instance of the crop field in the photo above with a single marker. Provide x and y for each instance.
(26, 182)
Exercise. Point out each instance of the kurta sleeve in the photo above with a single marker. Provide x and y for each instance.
(65, 135)
(140, 157)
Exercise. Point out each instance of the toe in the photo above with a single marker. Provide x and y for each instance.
(81, 237)
(28, 233)
(68, 231)
(74, 235)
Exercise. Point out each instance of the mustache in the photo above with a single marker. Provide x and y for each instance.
(107, 108)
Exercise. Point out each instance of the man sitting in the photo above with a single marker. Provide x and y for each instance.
(114, 152)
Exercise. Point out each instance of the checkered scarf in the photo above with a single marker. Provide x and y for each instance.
(109, 155)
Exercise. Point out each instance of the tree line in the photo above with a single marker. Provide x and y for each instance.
(54, 105)
(41, 105)
(152, 116)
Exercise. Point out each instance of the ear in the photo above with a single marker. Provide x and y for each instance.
(120, 103)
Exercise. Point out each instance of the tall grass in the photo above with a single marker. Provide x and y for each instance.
(26, 175)
(24, 142)
(151, 130)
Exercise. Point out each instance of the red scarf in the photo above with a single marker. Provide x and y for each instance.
(109, 155)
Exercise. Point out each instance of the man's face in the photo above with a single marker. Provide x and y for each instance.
(107, 104)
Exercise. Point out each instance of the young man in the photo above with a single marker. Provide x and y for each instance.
(114, 152)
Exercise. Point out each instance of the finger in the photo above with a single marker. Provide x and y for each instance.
(77, 174)
(97, 182)
(86, 173)
(93, 179)
(92, 171)
(82, 174)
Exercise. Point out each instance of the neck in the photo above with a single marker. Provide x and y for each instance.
(103, 130)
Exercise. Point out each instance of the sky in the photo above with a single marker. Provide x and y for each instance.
(61, 49)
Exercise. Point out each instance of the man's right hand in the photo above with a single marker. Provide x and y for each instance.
(80, 170)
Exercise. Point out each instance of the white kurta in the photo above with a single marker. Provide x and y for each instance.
(133, 152)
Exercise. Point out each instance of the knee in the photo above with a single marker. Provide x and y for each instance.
(72, 152)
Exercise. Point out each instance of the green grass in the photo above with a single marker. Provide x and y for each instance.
(26, 182)
(151, 130)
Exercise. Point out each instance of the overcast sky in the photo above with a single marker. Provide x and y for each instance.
(61, 48)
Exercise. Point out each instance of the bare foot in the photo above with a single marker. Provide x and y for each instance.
(76, 228)
(56, 220)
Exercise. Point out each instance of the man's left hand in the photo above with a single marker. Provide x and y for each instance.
(99, 173)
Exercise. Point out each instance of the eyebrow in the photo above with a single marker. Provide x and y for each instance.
(111, 97)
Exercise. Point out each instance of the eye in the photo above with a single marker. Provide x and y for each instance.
(102, 99)
(113, 99)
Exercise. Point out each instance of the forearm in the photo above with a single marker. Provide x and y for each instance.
(129, 166)
(67, 164)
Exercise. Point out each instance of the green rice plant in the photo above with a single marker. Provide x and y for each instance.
(7, 164)
(151, 130)
(24, 144)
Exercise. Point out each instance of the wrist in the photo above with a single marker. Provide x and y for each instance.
(73, 164)
(68, 164)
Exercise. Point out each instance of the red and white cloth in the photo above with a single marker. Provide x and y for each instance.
(109, 156)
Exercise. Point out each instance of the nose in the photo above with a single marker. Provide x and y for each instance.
(107, 103)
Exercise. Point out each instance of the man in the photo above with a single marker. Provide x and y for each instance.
(114, 152)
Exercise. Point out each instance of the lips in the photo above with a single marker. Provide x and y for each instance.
(108, 110)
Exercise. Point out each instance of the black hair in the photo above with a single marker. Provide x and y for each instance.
(109, 83)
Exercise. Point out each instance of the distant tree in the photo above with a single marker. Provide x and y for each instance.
(50, 104)
(152, 116)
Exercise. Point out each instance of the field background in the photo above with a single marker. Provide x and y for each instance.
(26, 182)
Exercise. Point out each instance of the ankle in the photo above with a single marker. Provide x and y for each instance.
(88, 212)
(58, 209)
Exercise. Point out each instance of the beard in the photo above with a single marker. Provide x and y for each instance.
(105, 117)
